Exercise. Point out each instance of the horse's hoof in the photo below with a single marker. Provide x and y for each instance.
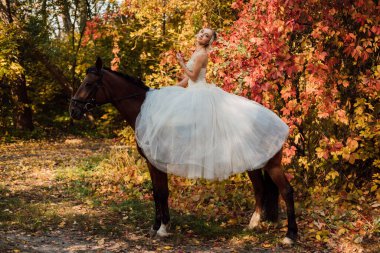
(287, 241)
(161, 232)
(152, 232)
(255, 221)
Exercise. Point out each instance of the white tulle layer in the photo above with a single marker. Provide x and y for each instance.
(205, 132)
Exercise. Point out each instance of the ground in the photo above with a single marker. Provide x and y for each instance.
(41, 211)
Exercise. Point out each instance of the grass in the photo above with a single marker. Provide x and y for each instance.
(136, 211)
(133, 209)
(21, 212)
(76, 186)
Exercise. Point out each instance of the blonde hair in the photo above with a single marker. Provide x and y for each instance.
(212, 39)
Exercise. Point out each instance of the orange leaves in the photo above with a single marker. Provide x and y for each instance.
(321, 56)
(323, 114)
(357, 52)
(348, 152)
(337, 148)
(322, 153)
(375, 30)
(320, 30)
(352, 144)
(345, 83)
(115, 50)
(237, 4)
(92, 30)
(341, 116)
(304, 75)
(286, 93)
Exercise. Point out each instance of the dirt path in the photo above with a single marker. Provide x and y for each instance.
(38, 215)
(29, 191)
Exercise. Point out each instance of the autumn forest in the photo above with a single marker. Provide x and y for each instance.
(315, 63)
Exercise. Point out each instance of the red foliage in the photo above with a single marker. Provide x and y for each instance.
(303, 59)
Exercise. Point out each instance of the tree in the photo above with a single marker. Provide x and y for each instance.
(13, 71)
(316, 64)
(34, 45)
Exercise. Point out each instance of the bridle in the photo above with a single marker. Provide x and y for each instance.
(90, 103)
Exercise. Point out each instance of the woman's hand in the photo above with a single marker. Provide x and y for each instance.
(180, 59)
(183, 82)
(199, 61)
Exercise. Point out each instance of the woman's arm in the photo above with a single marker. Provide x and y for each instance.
(199, 61)
(183, 82)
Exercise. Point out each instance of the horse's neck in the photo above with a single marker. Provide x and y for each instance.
(129, 107)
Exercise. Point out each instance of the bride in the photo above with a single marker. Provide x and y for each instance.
(202, 131)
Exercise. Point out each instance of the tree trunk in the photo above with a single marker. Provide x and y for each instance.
(5, 11)
(9, 11)
(164, 19)
(5, 102)
(56, 72)
(65, 14)
(44, 13)
(22, 111)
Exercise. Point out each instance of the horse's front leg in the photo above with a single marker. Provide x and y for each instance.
(160, 195)
(266, 198)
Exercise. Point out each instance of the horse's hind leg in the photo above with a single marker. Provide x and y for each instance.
(257, 180)
(274, 170)
(160, 195)
(270, 205)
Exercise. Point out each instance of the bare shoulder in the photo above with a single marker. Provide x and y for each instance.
(201, 56)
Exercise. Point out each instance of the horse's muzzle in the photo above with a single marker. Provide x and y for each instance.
(75, 114)
(76, 111)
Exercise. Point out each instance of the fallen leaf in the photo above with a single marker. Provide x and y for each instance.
(101, 241)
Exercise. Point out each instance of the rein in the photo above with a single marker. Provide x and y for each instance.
(90, 103)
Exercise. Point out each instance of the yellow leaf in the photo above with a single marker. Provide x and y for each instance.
(232, 221)
(197, 242)
(332, 175)
(352, 159)
(358, 239)
(196, 197)
(266, 245)
(168, 247)
(352, 144)
(374, 188)
(101, 241)
(318, 237)
(342, 231)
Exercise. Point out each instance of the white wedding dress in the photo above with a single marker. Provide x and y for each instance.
(204, 132)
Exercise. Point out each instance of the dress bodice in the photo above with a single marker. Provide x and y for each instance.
(202, 74)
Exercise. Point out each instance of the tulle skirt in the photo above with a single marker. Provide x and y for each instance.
(204, 132)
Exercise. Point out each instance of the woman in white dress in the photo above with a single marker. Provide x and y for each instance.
(202, 131)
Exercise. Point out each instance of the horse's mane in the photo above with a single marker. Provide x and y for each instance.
(128, 78)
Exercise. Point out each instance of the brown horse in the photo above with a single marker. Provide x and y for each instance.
(102, 85)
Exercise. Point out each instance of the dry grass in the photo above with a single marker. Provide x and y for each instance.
(99, 193)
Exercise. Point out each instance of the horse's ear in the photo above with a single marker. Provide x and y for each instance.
(99, 64)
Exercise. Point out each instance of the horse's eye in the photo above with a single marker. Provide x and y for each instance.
(87, 84)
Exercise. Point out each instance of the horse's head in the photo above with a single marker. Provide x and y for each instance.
(90, 93)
